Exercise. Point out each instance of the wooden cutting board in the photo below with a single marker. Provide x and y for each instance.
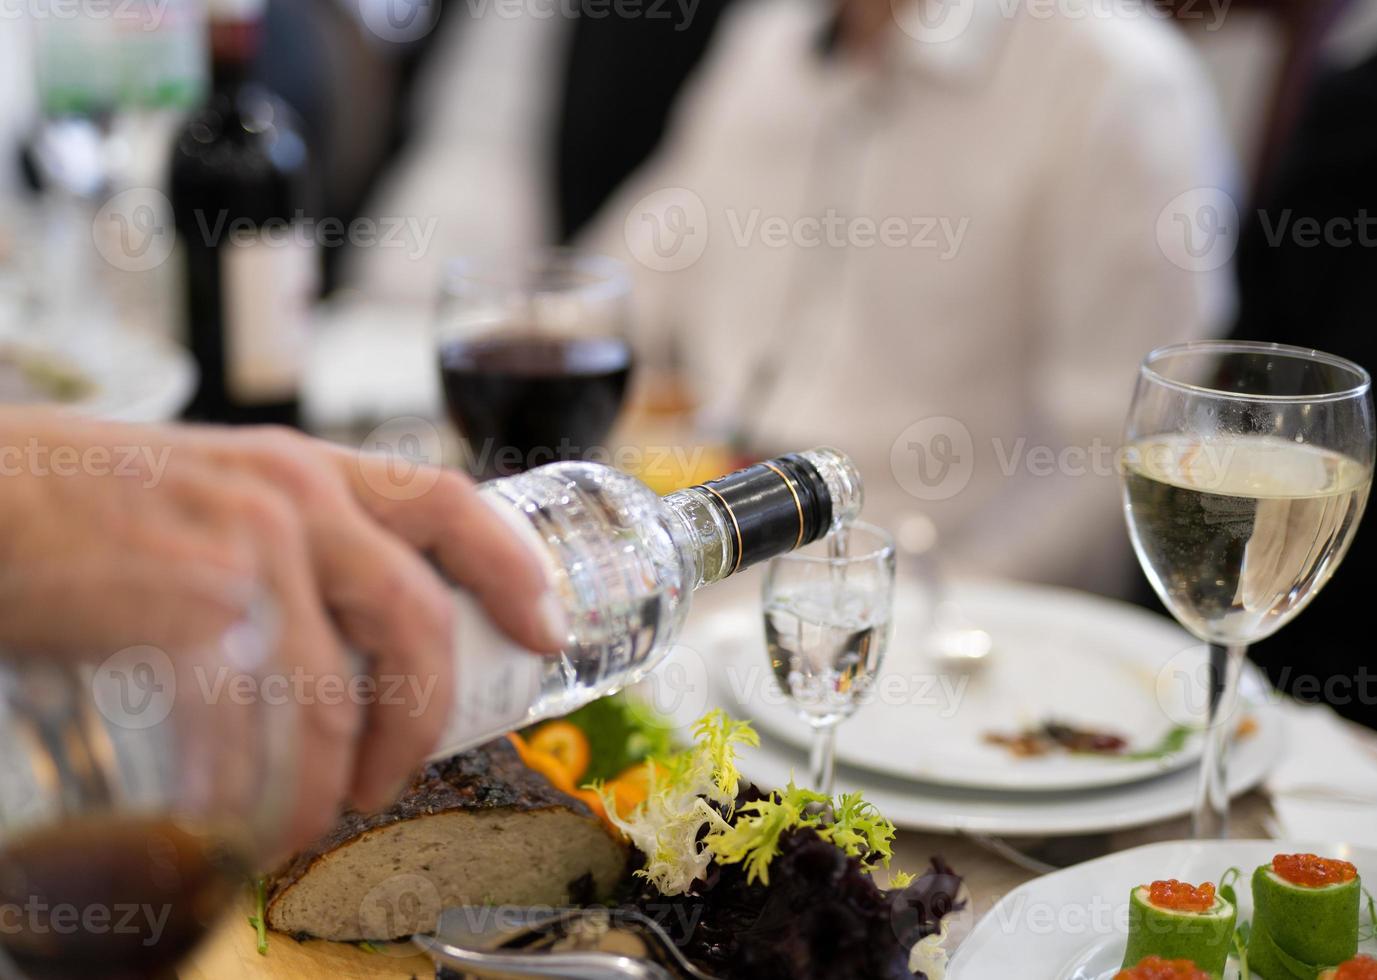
(230, 953)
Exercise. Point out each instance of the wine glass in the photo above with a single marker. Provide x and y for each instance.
(828, 610)
(534, 356)
(139, 788)
(1246, 470)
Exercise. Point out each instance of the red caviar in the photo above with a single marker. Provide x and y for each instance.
(1179, 896)
(1312, 871)
(1358, 968)
(1156, 968)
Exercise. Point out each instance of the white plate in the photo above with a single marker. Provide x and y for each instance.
(1058, 654)
(928, 806)
(135, 377)
(1072, 925)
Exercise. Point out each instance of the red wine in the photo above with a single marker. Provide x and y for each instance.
(118, 900)
(240, 190)
(523, 399)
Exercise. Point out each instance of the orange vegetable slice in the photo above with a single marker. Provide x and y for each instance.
(632, 787)
(552, 769)
(567, 743)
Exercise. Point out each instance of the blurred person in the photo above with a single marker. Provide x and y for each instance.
(166, 545)
(525, 118)
(1306, 268)
(944, 246)
(1026, 170)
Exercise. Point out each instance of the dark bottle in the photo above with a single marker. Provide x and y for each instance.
(240, 195)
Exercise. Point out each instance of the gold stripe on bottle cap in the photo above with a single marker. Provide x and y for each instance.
(798, 504)
(740, 548)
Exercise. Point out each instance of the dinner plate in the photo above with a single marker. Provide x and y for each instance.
(133, 377)
(1058, 655)
(916, 805)
(1072, 924)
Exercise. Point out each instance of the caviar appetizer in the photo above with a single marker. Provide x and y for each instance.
(1175, 920)
(1305, 916)
(1358, 968)
(1156, 968)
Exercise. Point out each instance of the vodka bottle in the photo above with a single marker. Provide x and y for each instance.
(625, 563)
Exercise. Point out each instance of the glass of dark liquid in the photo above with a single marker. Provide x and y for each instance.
(534, 357)
(139, 787)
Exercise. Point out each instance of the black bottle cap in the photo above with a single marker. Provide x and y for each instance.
(772, 508)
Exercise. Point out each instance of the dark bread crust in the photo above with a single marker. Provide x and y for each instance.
(490, 777)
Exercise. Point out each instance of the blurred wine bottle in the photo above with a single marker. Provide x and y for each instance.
(240, 183)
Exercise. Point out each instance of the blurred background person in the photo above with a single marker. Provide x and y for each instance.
(1018, 167)
(1306, 267)
(938, 243)
(523, 122)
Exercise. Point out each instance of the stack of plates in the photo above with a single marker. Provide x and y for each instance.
(918, 748)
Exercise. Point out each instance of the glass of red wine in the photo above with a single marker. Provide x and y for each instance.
(139, 788)
(534, 356)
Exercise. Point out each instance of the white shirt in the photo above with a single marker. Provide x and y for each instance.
(1024, 167)
(951, 259)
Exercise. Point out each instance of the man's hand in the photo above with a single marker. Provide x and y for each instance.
(170, 533)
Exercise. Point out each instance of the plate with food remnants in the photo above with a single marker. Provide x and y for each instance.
(1187, 910)
(1077, 692)
(117, 374)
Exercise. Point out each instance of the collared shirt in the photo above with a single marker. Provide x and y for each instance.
(947, 261)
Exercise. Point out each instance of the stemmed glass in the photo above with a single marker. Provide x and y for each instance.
(1246, 470)
(828, 610)
(534, 356)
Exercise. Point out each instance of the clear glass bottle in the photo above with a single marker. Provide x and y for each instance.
(626, 562)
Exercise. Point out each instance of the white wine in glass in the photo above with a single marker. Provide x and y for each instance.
(1246, 471)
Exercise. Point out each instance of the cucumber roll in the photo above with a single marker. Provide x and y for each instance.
(1177, 921)
(1305, 916)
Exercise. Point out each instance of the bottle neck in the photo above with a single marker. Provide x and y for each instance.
(234, 44)
(763, 511)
